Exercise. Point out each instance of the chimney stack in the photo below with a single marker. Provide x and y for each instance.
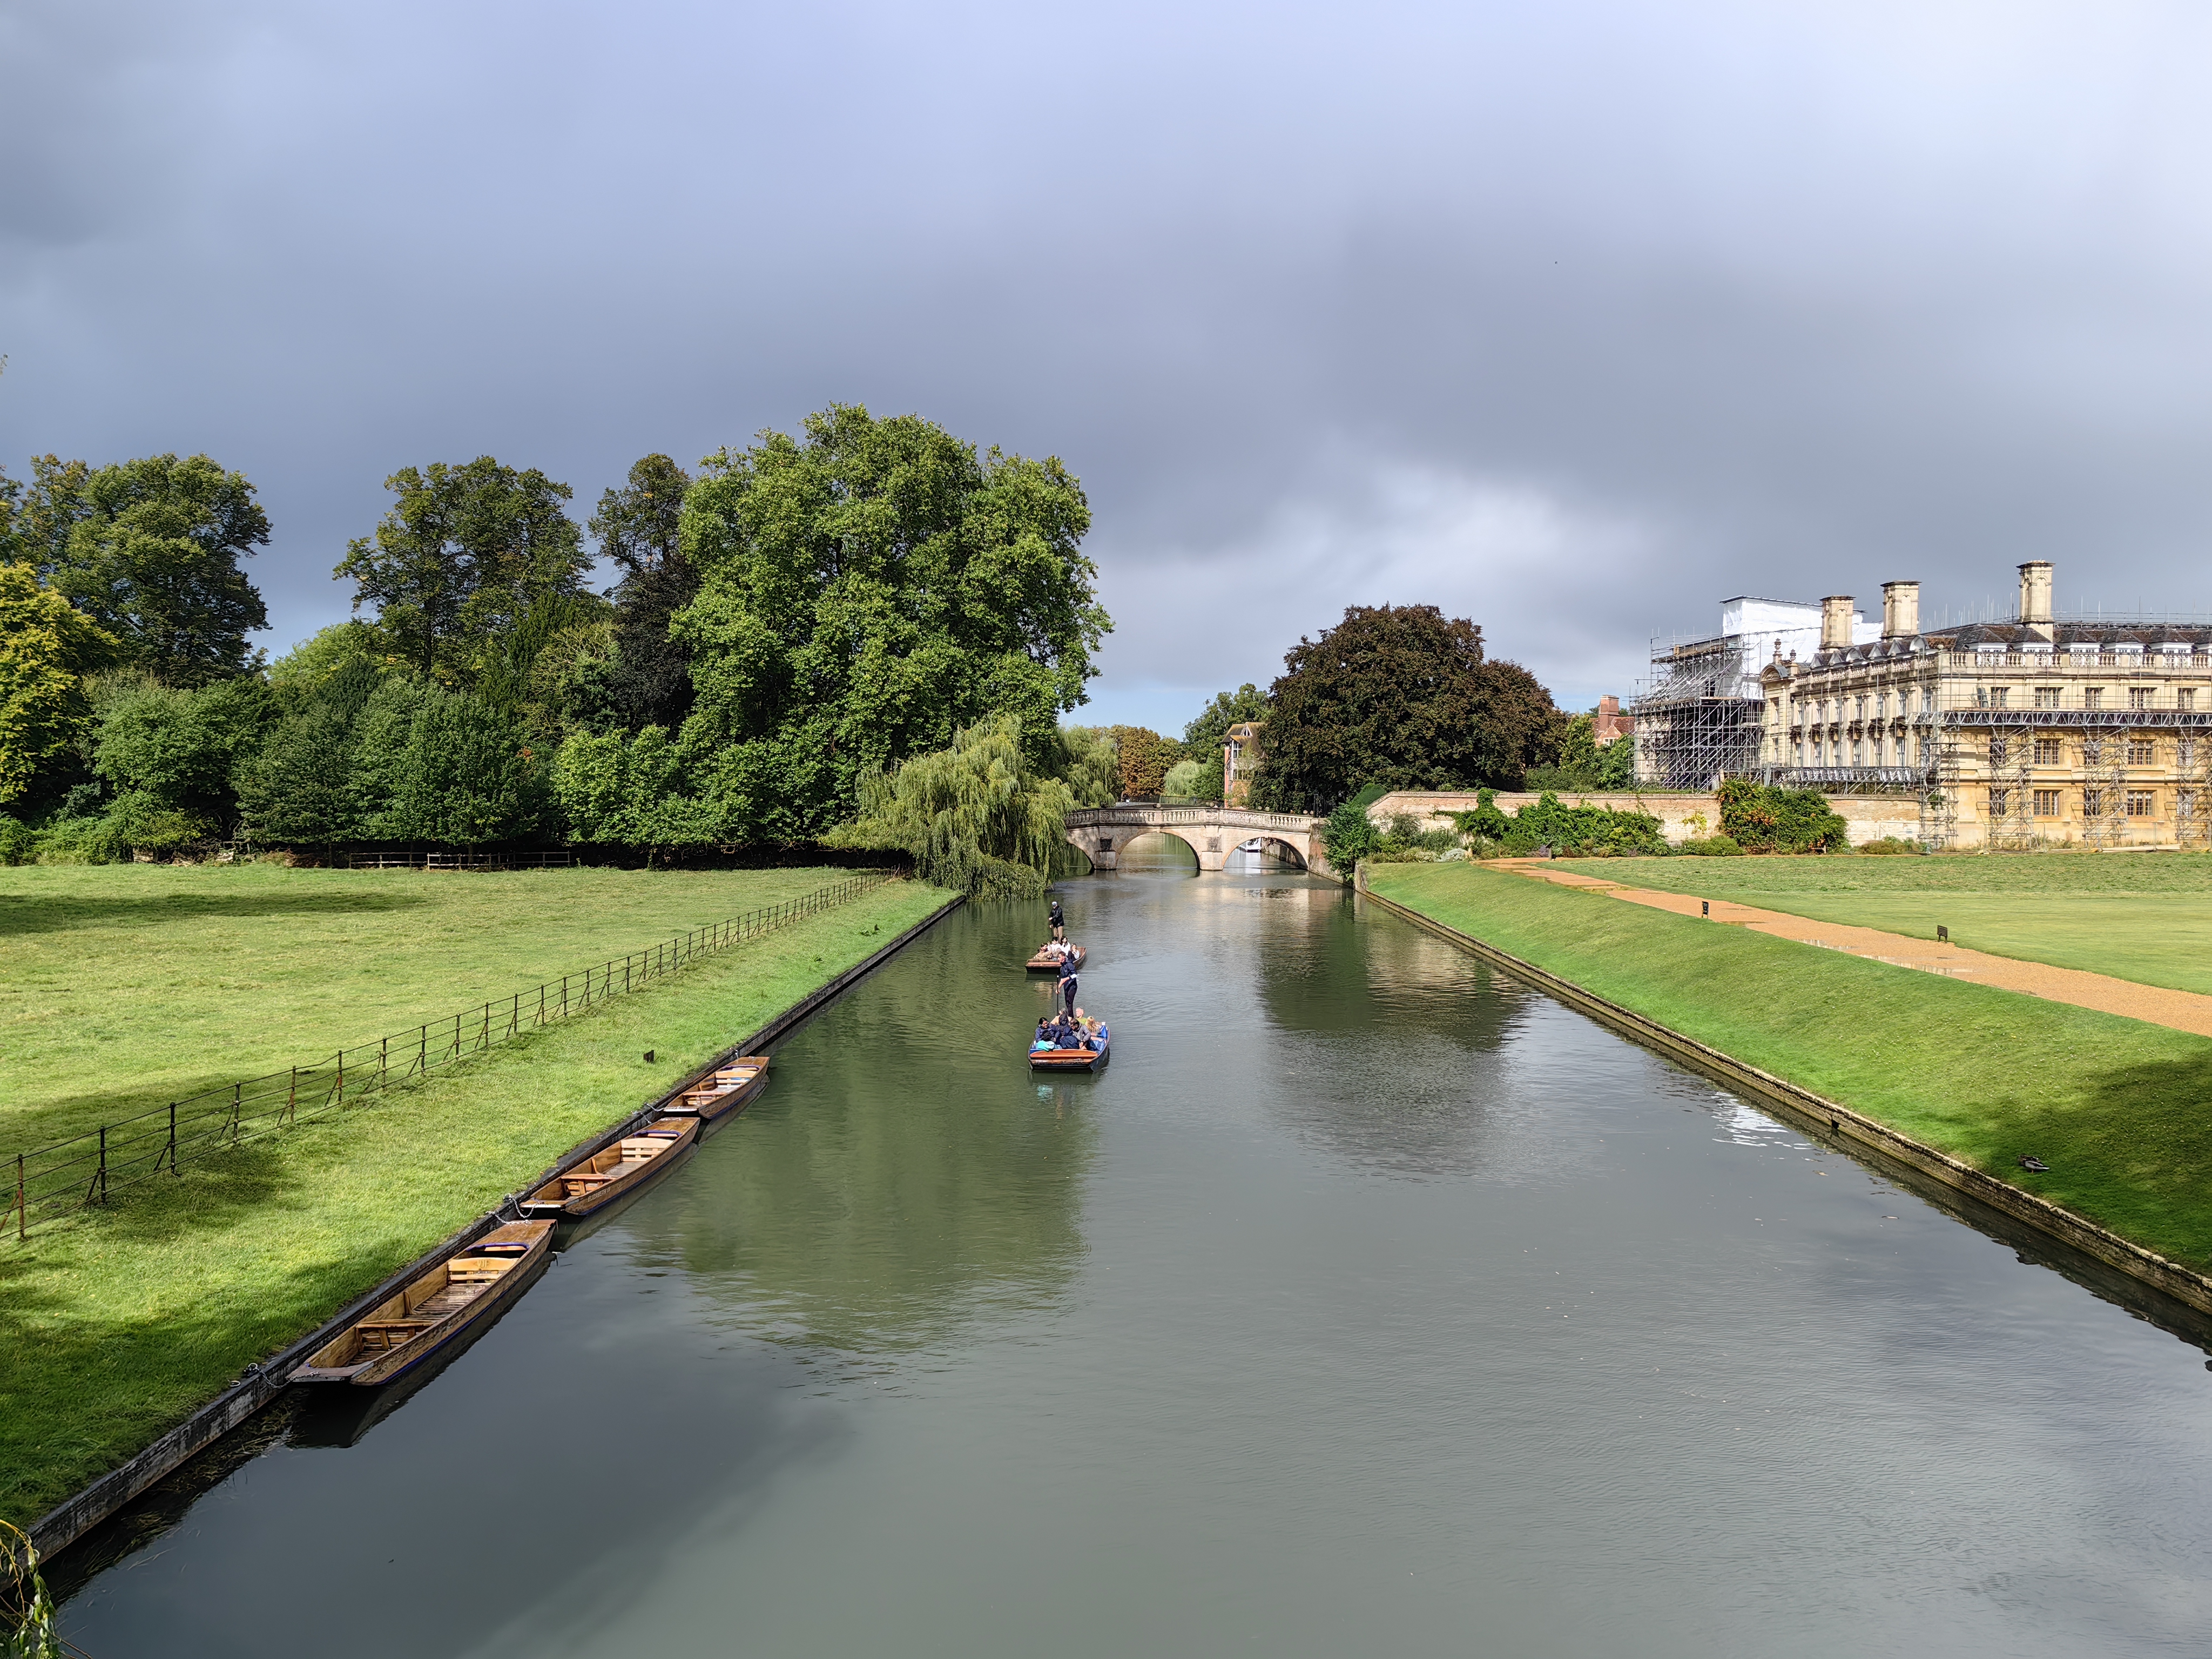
(1836, 618)
(1900, 610)
(2035, 592)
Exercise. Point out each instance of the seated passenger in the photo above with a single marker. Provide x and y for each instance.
(1067, 1038)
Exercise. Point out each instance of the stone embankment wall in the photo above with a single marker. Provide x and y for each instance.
(1681, 817)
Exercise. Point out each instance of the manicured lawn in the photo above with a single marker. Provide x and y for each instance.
(2144, 916)
(124, 987)
(115, 1325)
(2115, 1106)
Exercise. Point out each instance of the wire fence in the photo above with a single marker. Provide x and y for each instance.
(83, 1169)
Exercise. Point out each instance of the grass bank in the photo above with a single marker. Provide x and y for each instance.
(116, 1327)
(2115, 1106)
(127, 986)
(2144, 916)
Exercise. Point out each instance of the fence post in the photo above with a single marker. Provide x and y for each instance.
(237, 1099)
(383, 1061)
(564, 996)
(22, 1214)
(422, 1048)
(291, 1104)
(341, 1076)
(103, 1163)
(173, 1139)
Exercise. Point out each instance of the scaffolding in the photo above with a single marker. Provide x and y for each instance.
(1697, 721)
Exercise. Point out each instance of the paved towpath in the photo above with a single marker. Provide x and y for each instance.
(2184, 1011)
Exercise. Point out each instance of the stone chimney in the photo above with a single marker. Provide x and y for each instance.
(1836, 618)
(1900, 610)
(2035, 595)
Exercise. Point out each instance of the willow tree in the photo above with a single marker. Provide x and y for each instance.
(974, 817)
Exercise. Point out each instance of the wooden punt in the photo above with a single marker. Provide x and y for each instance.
(1073, 1060)
(461, 1294)
(603, 1177)
(724, 1090)
(1041, 963)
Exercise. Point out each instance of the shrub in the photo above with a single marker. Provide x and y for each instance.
(1713, 847)
(1762, 818)
(1889, 845)
(17, 844)
(1347, 837)
(1573, 831)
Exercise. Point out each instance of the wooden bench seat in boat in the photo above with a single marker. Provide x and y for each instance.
(434, 1310)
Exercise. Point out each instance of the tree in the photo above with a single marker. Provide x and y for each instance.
(169, 749)
(639, 526)
(867, 593)
(462, 776)
(46, 648)
(1088, 765)
(460, 559)
(1400, 696)
(299, 789)
(1207, 735)
(149, 550)
(1583, 764)
(974, 817)
(1144, 757)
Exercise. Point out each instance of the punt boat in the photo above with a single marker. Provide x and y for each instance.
(1073, 1059)
(724, 1091)
(1041, 963)
(462, 1294)
(603, 1177)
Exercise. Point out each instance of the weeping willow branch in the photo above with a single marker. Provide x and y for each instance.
(973, 818)
(26, 1611)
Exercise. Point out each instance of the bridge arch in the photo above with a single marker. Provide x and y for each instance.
(1215, 833)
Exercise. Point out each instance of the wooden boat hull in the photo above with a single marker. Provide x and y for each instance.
(1037, 965)
(406, 1331)
(624, 1167)
(725, 1090)
(1072, 1060)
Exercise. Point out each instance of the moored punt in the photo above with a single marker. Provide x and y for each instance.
(459, 1295)
(722, 1091)
(1041, 963)
(1073, 1060)
(605, 1176)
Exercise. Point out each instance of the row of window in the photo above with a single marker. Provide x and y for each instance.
(2095, 751)
(2136, 802)
(2093, 696)
(1885, 705)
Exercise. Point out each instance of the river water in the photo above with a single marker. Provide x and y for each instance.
(1369, 1302)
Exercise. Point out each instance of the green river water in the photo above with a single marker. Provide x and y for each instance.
(1369, 1302)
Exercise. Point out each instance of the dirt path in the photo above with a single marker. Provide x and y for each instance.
(2184, 1011)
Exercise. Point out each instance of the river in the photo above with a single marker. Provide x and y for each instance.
(1369, 1302)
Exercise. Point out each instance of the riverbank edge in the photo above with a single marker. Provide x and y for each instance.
(260, 1386)
(1829, 1121)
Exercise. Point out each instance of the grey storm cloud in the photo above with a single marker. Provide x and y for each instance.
(1571, 318)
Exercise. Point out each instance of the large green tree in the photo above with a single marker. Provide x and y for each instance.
(640, 526)
(1401, 695)
(459, 561)
(1204, 738)
(867, 591)
(974, 817)
(149, 550)
(46, 648)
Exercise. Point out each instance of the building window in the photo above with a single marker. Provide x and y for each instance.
(2046, 697)
(1855, 752)
(1927, 700)
(2185, 804)
(2046, 753)
(1998, 749)
(2093, 696)
(2000, 801)
(2185, 699)
(2141, 751)
(2139, 802)
(2046, 803)
(2093, 751)
(2093, 803)
(2139, 697)
(2185, 752)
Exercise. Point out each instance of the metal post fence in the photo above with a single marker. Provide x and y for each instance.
(72, 1174)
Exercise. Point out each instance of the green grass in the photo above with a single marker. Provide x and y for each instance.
(116, 1326)
(2144, 916)
(128, 986)
(2114, 1105)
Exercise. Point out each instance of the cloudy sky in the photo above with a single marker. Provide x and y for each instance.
(1571, 318)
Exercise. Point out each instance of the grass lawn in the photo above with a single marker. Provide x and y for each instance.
(124, 987)
(116, 1326)
(2115, 1106)
(2144, 916)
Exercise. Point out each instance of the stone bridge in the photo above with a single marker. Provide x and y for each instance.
(1212, 832)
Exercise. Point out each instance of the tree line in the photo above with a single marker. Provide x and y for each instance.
(869, 631)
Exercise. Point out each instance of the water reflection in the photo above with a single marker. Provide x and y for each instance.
(1157, 853)
(880, 1194)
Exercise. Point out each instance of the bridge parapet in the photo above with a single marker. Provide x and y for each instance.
(1227, 817)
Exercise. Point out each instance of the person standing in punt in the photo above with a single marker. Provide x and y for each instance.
(1059, 924)
(1067, 989)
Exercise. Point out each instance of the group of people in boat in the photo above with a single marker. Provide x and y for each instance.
(1068, 1026)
